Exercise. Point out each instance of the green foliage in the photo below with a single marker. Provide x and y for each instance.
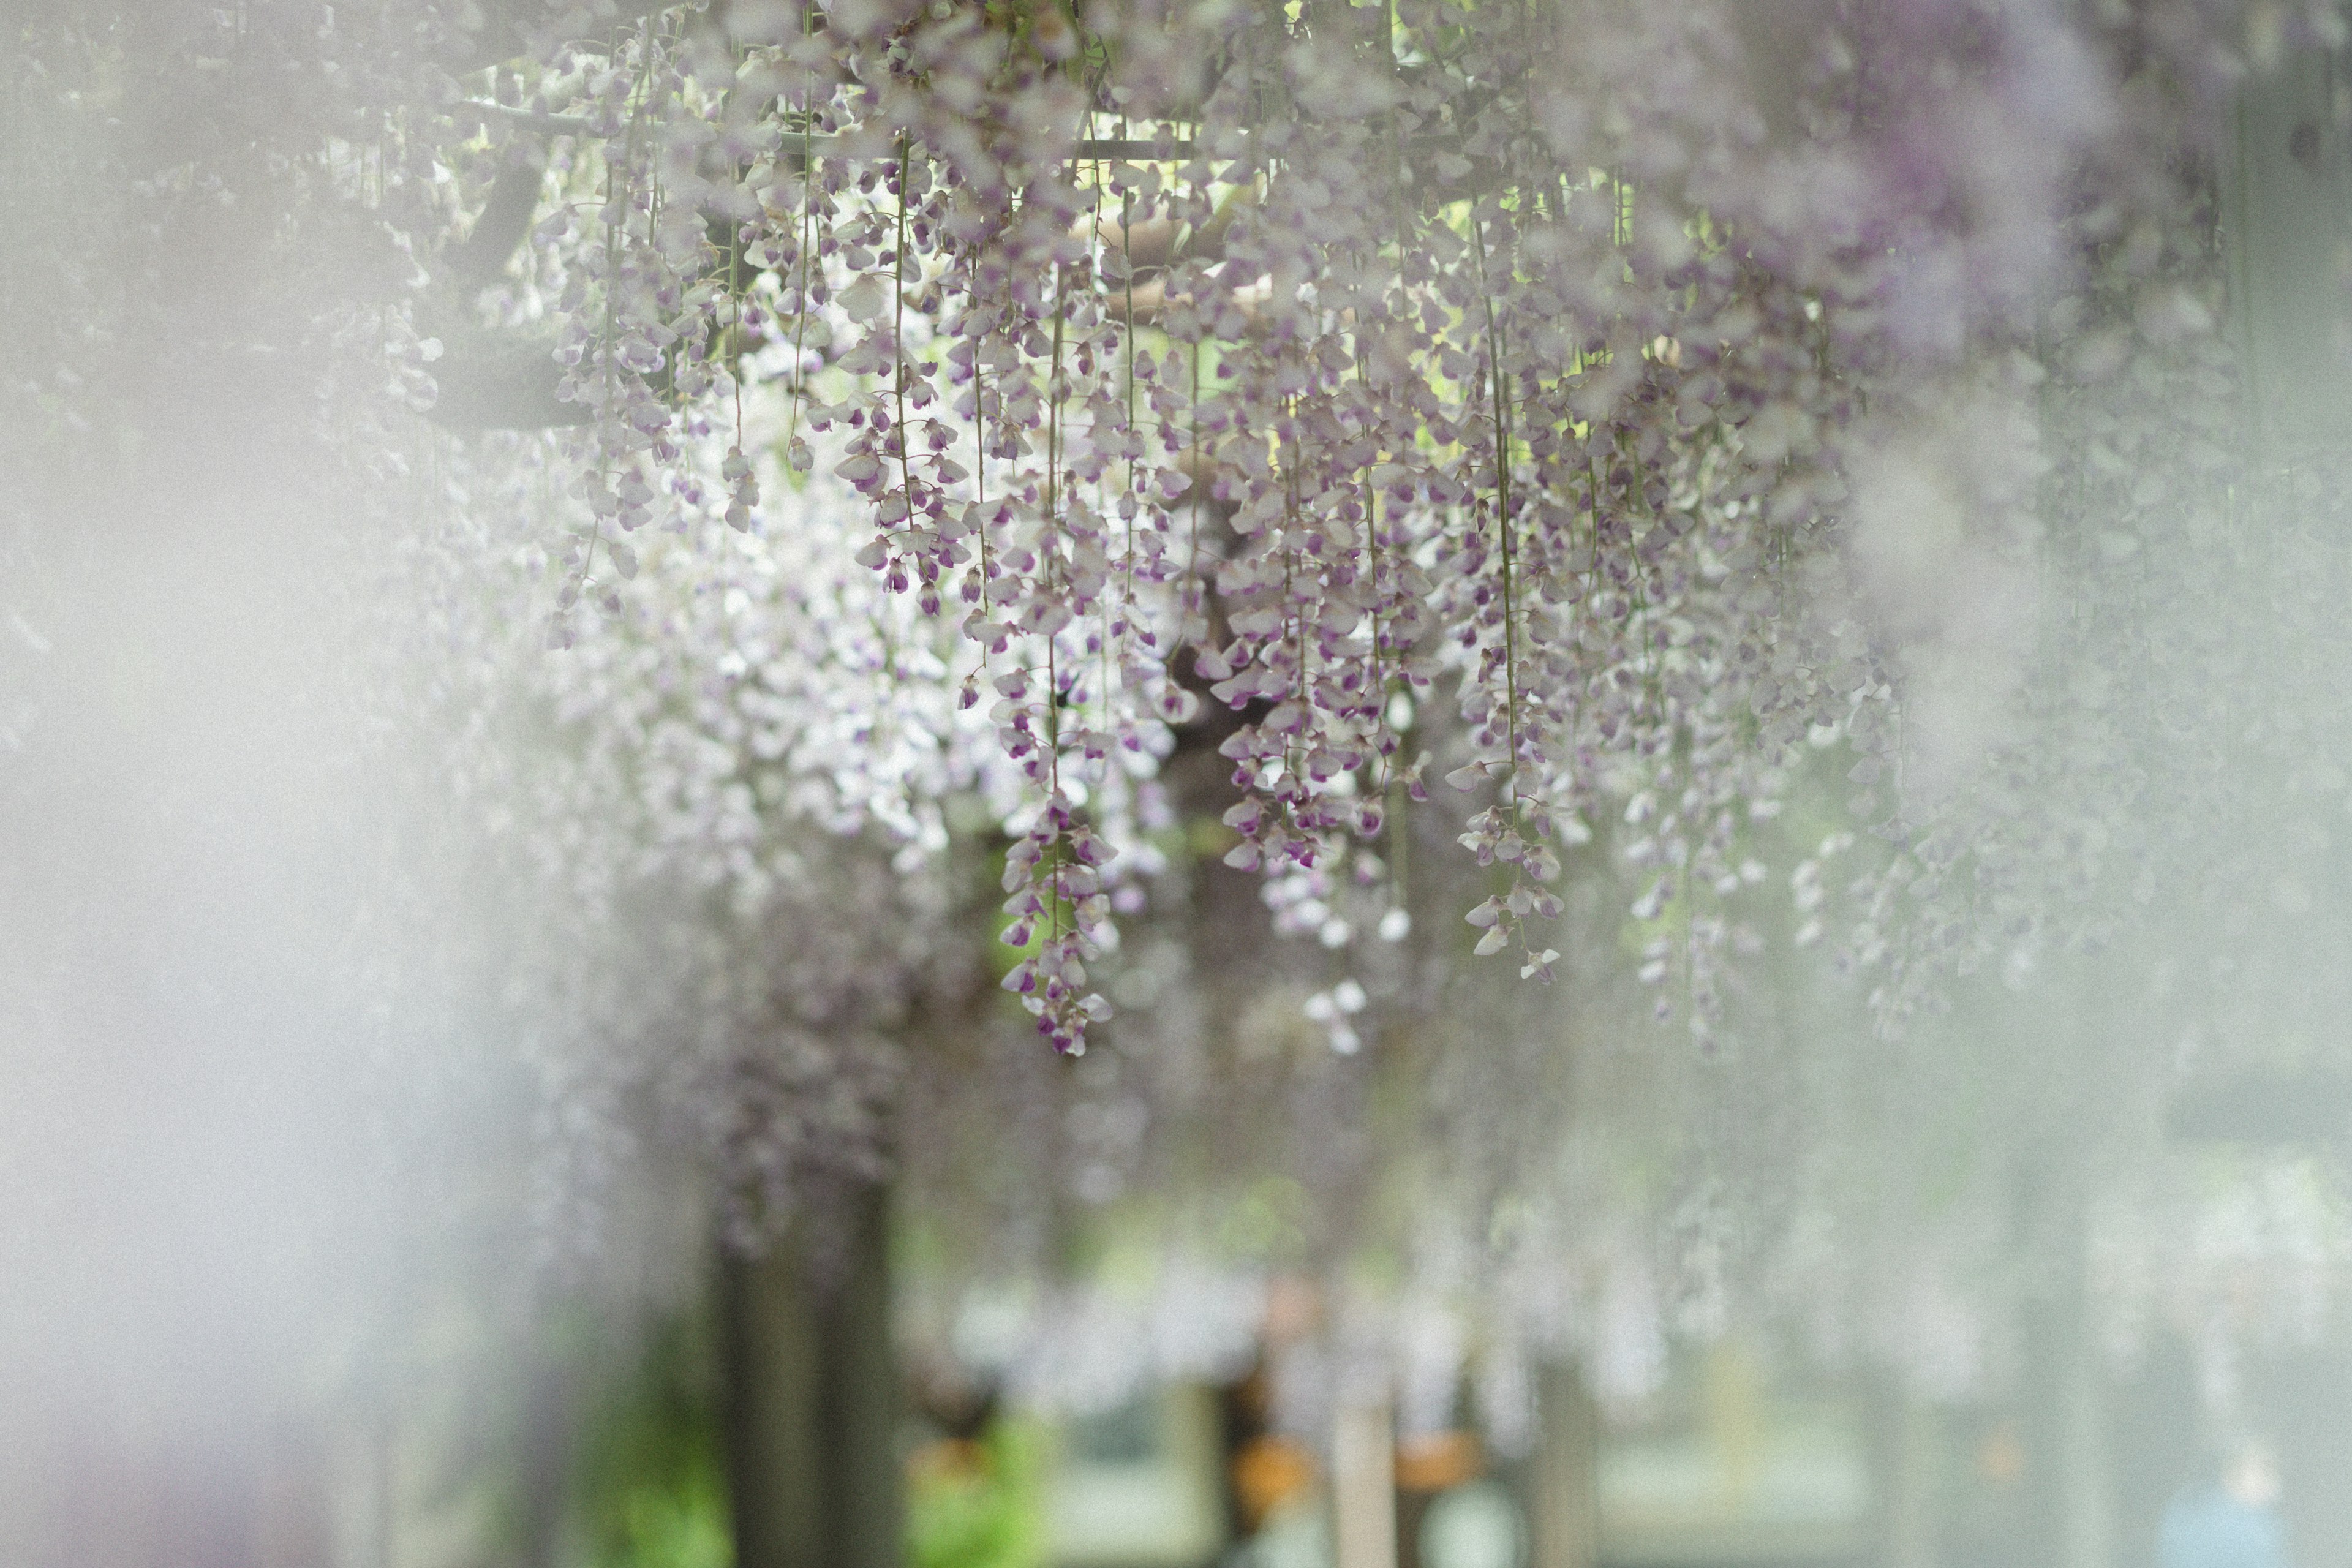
(653, 1483)
(979, 1504)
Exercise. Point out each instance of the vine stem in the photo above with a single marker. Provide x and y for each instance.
(898, 336)
(808, 226)
(1110, 616)
(1501, 417)
(1195, 597)
(980, 467)
(613, 227)
(1126, 260)
(1050, 543)
(735, 329)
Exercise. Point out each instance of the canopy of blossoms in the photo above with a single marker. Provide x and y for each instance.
(1653, 384)
(1611, 413)
(1655, 387)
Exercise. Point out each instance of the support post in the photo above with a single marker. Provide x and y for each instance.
(1907, 1474)
(1567, 1472)
(1363, 1488)
(812, 1396)
(2287, 215)
(2070, 1505)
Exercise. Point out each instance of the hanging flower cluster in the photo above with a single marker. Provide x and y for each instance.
(1357, 360)
(1570, 359)
(1673, 402)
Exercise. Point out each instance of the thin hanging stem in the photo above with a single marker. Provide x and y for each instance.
(1498, 388)
(898, 336)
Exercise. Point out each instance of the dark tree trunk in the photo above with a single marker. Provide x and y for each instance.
(812, 1395)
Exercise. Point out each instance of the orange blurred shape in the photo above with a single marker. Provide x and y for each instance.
(2000, 1457)
(1440, 1459)
(1292, 1308)
(949, 1459)
(1269, 1472)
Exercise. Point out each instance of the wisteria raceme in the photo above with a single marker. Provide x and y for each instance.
(1590, 366)
(1805, 456)
(1530, 349)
